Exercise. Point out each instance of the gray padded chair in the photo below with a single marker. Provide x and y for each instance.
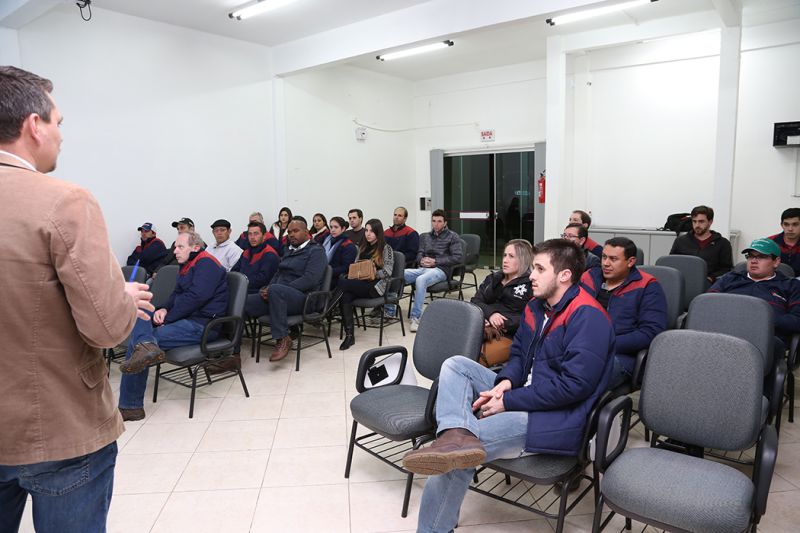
(141, 274)
(163, 284)
(787, 270)
(639, 256)
(472, 252)
(193, 359)
(391, 296)
(694, 271)
(703, 389)
(396, 413)
(315, 310)
(672, 282)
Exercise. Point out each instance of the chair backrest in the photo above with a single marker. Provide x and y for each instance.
(746, 317)
(787, 270)
(447, 328)
(472, 248)
(141, 274)
(639, 256)
(694, 270)
(703, 388)
(163, 284)
(671, 281)
(237, 297)
(398, 269)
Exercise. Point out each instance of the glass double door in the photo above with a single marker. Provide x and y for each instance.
(491, 195)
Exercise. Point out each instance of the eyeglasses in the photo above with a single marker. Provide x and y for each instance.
(751, 255)
(568, 236)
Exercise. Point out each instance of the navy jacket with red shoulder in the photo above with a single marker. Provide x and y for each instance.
(403, 239)
(149, 253)
(593, 246)
(244, 243)
(201, 292)
(344, 255)
(571, 356)
(259, 264)
(638, 310)
(320, 236)
(789, 254)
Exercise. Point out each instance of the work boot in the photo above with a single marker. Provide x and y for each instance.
(349, 328)
(230, 363)
(282, 347)
(455, 449)
(144, 355)
(131, 415)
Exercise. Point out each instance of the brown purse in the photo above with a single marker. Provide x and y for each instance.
(496, 348)
(363, 270)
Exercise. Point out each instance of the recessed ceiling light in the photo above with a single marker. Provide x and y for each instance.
(257, 8)
(414, 51)
(589, 13)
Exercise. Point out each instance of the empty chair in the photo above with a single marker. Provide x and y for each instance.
(695, 274)
(472, 250)
(672, 282)
(141, 274)
(391, 296)
(639, 256)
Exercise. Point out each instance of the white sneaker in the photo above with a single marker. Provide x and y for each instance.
(414, 325)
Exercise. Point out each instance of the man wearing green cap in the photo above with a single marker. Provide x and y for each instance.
(763, 280)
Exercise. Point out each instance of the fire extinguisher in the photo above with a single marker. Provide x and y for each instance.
(541, 185)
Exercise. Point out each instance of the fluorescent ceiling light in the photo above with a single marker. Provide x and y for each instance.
(414, 51)
(589, 13)
(256, 8)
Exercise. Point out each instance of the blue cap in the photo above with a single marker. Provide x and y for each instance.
(147, 226)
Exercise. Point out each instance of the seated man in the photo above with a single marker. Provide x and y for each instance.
(224, 249)
(403, 238)
(560, 364)
(634, 300)
(705, 243)
(243, 241)
(439, 251)
(764, 281)
(260, 261)
(300, 271)
(583, 218)
(789, 239)
(356, 231)
(201, 293)
(150, 252)
(183, 225)
(578, 234)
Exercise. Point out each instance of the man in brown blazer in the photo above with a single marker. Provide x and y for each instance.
(63, 298)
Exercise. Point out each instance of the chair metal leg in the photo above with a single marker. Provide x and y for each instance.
(363, 318)
(407, 496)
(299, 342)
(598, 515)
(380, 335)
(400, 316)
(628, 523)
(562, 505)
(244, 385)
(155, 385)
(791, 395)
(258, 342)
(327, 344)
(350, 450)
(194, 389)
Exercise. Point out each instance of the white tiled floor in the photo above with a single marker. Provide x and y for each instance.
(275, 461)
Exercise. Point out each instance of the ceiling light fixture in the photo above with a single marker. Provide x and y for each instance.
(589, 13)
(414, 51)
(257, 8)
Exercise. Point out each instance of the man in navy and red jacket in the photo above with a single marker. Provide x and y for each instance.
(634, 300)
(151, 251)
(402, 238)
(560, 364)
(789, 239)
(583, 218)
(243, 241)
(200, 295)
(259, 261)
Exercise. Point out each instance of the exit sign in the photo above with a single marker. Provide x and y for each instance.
(487, 136)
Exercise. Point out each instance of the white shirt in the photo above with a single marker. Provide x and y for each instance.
(226, 253)
(18, 158)
(530, 375)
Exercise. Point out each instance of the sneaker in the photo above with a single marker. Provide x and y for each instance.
(414, 325)
(455, 449)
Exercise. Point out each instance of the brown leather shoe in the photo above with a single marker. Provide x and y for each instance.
(455, 449)
(230, 363)
(144, 355)
(131, 415)
(282, 347)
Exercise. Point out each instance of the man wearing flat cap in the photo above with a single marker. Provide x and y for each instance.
(151, 252)
(224, 249)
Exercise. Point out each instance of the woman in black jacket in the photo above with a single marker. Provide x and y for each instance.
(502, 297)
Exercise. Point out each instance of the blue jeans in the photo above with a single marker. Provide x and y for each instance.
(283, 301)
(422, 278)
(69, 496)
(503, 436)
(622, 372)
(180, 333)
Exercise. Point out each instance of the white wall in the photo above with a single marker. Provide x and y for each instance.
(328, 170)
(160, 122)
(9, 47)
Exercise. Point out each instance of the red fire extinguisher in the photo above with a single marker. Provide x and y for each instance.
(541, 185)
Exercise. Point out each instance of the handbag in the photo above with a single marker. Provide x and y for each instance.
(363, 270)
(496, 348)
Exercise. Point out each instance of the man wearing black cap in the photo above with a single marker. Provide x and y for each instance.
(151, 252)
(183, 225)
(225, 249)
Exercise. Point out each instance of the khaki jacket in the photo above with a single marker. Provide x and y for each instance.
(61, 299)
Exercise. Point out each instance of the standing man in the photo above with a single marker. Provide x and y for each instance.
(63, 298)
(150, 252)
(560, 364)
(439, 251)
(789, 239)
(583, 218)
(224, 249)
(403, 238)
(356, 231)
(705, 243)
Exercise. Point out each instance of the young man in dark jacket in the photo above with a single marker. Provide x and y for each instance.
(150, 252)
(402, 238)
(259, 261)
(706, 244)
(535, 404)
(789, 239)
(634, 300)
(200, 295)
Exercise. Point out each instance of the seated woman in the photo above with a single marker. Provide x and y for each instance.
(340, 250)
(374, 248)
(319, 228)
(280, 226)
(502, 297)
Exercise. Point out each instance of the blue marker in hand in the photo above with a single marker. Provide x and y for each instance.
(133, 272)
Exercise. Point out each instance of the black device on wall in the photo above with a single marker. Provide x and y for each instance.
(786, 134)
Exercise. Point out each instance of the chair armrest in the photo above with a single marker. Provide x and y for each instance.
(316, 296)
(638, 369)
(792, 355)
(607, 415)
(766, 455)
(368, 359)
(214, 324)
(779, 371)
(394, 283)
(430, 406)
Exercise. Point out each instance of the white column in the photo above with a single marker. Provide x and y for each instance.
(727, 108)
(557, 188)
(281, 189)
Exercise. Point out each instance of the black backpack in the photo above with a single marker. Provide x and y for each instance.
(678, 222)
